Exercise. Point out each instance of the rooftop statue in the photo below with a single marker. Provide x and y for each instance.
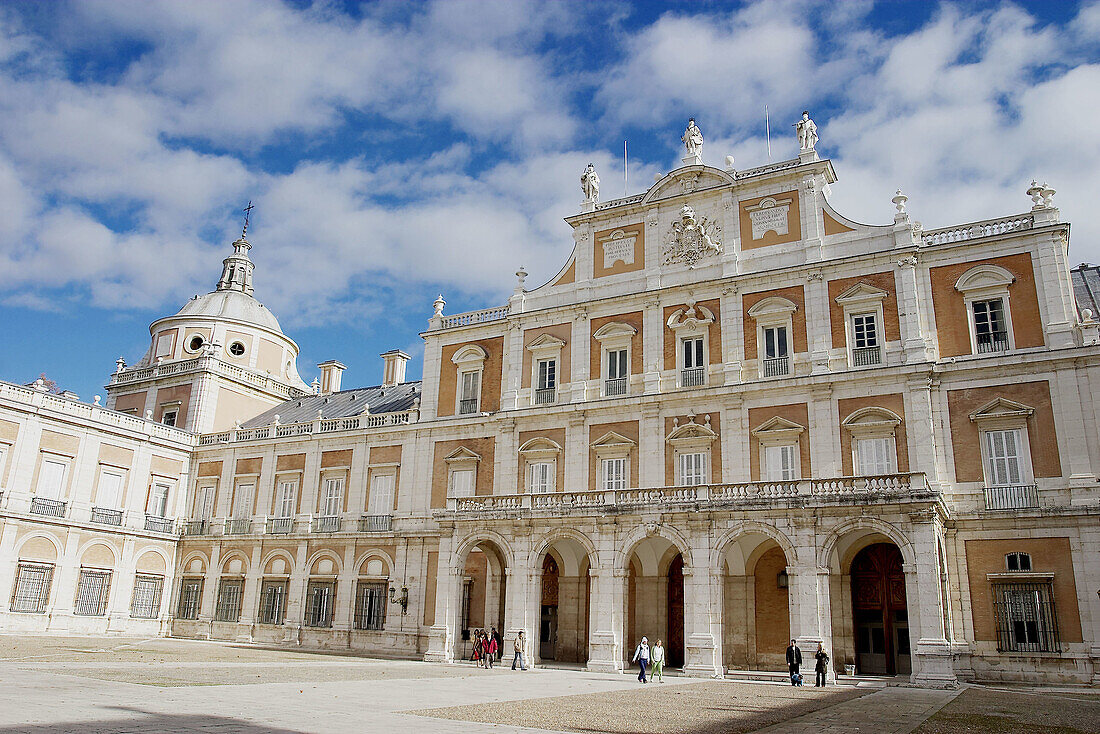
(590, 183)
(807, 132)
(693, 139)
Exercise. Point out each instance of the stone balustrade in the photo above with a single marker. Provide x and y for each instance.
(310, 428)
(986, 228)
(186, 366)
(485, 315)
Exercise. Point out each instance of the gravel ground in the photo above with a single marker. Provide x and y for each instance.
(1023, 711)
(223, 675)
(696, 708)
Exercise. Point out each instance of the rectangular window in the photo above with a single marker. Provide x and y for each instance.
(1026, 618)
(381, 494)
(158, 500)
(168, 417)
(1003, 458)
(468, 400)
(190, 599)
(462, 483)
(91, 593)
(146, 600)
(32, 588)
(273, 602)
(693, 373)
(875, 456)
(164, 345)
(370, 606)
(548, 374)
(109, 493)
(51, 479)
(204, 503)
(616, 373)
(333, 497)
(242, 502)
(781, 463)
(990, 326)
(775, 342)
(614, 474)
(692, 469)
(540, 478)
(320, 597)
(284, 499)
(864, 333)
(228, 608)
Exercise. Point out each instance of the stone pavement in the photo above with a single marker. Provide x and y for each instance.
(892, 710)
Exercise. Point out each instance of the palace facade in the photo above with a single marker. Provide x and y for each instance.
(732, 418)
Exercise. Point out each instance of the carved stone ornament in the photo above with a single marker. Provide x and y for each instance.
(692, 239)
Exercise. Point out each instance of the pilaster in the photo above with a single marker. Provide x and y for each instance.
(732, 334)
(606, 618)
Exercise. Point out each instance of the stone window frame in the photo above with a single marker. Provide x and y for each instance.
(986, 282)
(613, 445)
(286, 476)
(123, 473)
(1019, 555)
(873, 422)
(770, 312)
(205, 483)
(244, 480)
(190, 338)
(614, 336)
(1002, 414)
(469, 359)
(336, 473)
(779, 431)
(691, 438)
(45, 455)
(540, 450)
(863, 298)
(171, 406)
(169, 484)
(462, 459)
(382, 470)
(685, 323)
(546, 347)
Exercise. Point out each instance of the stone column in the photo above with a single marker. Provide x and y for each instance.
(932, 659)
(703, 608)
(808, 592)
(913, 313)
(606, 618)
(441, 635)
(825, 459)
(518, 614)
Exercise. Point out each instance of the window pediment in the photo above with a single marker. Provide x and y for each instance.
(772, 307)
(613, 331)
(691, 434)
(1002, 409)
(612, 445)
(778, 430)
(872, 421)
(545, 345)
(861, 294)
(470, 355)
(540, 448)
(691, 318)
(462, 455)
(984, 277)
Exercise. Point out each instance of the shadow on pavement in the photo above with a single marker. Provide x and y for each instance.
(145, 721)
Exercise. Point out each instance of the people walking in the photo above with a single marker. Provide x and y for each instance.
(794, 659)
(641, 657)
(657, 657)
(490, 650)
(477, 648)
(518, 647)
(821, 667)
(499, 639)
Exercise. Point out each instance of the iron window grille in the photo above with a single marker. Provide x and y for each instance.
(273, 602)
(1026, 618)
(104, 516)
(370, 606)
(91, 593)
(158, 524)
(614, 386)
(32, 588)
(190, 599)
(320, 599)
(228, 608)
(280, 525)
(375, 523)
(693, 377)
(1018, 562)
(776, 366)
(146, 601)
(47, 507)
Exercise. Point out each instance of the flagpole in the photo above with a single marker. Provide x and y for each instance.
(768, 128)
(626, 170)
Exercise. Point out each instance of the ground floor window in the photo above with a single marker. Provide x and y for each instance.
(320, 600)
(91, 593)
(190, 599)
(273, 602)
(370, 606)
(32, 588)
(146, 601)
(1026, 619)
(228, 608)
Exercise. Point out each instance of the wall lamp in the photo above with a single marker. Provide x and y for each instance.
(403, 600)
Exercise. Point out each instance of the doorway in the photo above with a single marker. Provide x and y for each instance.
(879, 611)
(548, 622)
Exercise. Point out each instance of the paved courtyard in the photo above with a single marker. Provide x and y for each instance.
(100, 685)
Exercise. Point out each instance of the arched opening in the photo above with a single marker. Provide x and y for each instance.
(655, 599)
(756, 622)
(879, 613)
(482, 596)
(564, 600)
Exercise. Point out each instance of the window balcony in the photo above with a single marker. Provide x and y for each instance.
(49, 508)
(196, 527)
(327, 524)
(375, 523)
(693, 377)
(614, 386)
(1013, 497)
(103, 516)
(158, 524)
(467, 407)
(546, 396)
(241, 526)
(777, 366)
(996, 341)
(280, 525)
(865, 356)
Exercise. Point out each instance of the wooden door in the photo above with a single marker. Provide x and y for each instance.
(674, 643)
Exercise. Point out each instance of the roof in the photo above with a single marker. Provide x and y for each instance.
(343, 404)
(1086, 287)
(230, 304)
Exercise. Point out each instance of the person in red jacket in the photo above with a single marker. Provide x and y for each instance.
(490, 650)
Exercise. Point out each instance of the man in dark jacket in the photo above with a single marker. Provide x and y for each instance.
(794, 659)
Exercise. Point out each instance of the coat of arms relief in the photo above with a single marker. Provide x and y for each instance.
(692, 239)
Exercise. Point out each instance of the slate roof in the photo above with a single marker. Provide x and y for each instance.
(1086, 287)
(343, 404)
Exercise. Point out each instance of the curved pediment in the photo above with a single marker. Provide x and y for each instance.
(471, 353)
(772, 305)
(691, 431)
(984, 276)
(685, 181)
(540, 444)
(614, 329)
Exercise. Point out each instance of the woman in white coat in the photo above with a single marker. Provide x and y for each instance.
(641, 657)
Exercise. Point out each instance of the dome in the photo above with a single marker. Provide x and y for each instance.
(231, 305)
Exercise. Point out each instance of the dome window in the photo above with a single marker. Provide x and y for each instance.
(236, 349)
(195, 343)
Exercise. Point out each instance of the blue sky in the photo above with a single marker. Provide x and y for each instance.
(397, 150)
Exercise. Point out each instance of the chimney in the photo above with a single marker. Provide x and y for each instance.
(331, 371)
(393, 372)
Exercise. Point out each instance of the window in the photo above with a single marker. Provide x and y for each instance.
(540, 477)
(691, 325)
(692, 469)
(51, 479)
(370, 606)
(1026, 619)
(195, 343)
(1005, 454)
(32, 588)
(204, 503)
(875, 456)
(781, 463)
(381, 494)
(284, 498)
(863, 316)
(242, 502)
(865, 340)
(776, 362)
(91, 593)
(462, 483)
(3, 456)
(470, 362)
(190, 599)
(546, 351)
(158, 500)
(168, 417)
(694, 368)
(774, 318)
(1018, 562)
(985, 289)
(228, 608)
(615, 344)
(616, 372)
(273, 602)
(333, 496)
(462, 472)
(236, 349)
(471, 382)
(164, 344)
(1003, 458)
(109, 493)
(547, 384)
(146, 600)
(614, 473)
(990, 326)
(320, 597)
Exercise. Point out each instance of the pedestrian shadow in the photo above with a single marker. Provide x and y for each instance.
(151, 722)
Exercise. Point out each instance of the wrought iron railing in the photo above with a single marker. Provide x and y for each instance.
(47, 507)
(864, 356)
(327, 524)
(238, 526)
(994, 342)
(777, 366)
(467, 406)
(104, 516)
(1014, 497)
(375, 523)
(280, 525)
(545, 395)
(158, 524)
(614, 386)
(693, 376)
(196, 527)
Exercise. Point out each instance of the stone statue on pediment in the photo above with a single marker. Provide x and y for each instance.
(693, 139)
(807, 132)
(590, 183)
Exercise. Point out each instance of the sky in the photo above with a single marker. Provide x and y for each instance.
(398, 150)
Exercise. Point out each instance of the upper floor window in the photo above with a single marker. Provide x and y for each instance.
(1006, 456)
(109, 492)
(875, 456)
(781, 463)
(380, 501)
(985, 290)
(285, 494)
(862, 305)
(615, 473)
(462, 472)
(204, 502)
(547, 385)
(616, 382)
(615, 341)
(780, 449)
(470, 361)
(692, 328)
(242, 501)
(158, 499)
(332, 497)
(1018, 561)
(613, 451)
(691, 445)
(168, 417)
(540, 457)
(694, 371)
(471, 393)
(51, 479)
(874, 447)
(774, 322)
(693, 469)
(546, 351)
(990, 325)
(865, 340)
(540, 477)
(776, 351)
